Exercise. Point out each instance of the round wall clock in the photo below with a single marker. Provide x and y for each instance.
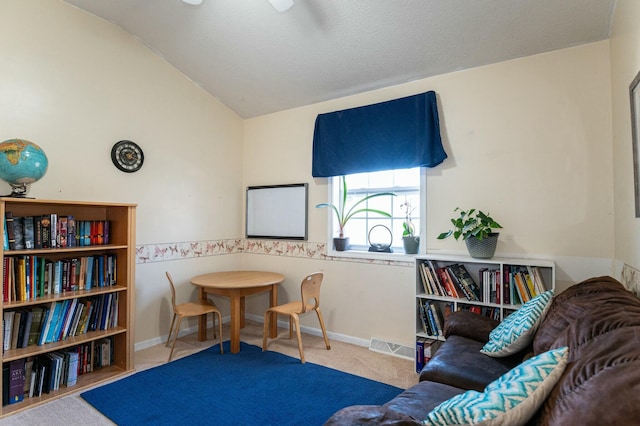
(127, 156)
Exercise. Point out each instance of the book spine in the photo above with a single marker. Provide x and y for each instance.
(10, 227)
(16, 380)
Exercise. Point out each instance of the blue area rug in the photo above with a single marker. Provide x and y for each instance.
(250, 387)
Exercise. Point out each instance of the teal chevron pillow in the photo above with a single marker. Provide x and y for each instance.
(517, 330)
(510, 400)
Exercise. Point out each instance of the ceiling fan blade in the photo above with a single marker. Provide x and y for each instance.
(281, 5)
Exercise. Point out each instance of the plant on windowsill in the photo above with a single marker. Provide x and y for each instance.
(341, 243)
(410, 241)
(476, 229)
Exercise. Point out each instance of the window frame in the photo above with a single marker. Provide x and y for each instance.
(333, 190)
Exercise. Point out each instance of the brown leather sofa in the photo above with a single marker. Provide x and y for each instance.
(597, 319)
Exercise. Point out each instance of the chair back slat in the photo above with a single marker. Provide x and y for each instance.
(310, 289)
(173, 291)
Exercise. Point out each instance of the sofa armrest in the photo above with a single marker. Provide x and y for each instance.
(470, 325)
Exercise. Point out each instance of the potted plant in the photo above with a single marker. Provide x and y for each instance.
(476, 229)
(410, 241)
(343, 215)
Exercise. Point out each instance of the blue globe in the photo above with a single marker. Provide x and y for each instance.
(21, 162)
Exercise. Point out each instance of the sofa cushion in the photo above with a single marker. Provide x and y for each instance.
(469, 324)
(578, 301)
(408, 408)
(459, 362)
(517, 330)
(510, 400)
(600, 323)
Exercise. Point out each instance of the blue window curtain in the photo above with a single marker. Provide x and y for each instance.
(397, 134)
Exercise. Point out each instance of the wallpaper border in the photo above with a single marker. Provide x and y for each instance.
(162, 252)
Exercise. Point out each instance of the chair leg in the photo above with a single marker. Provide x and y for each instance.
(219, 327)
(290, 328)
(170, 330)
(296, 321)
(265, 331)
(175, 337)
(324, 330)
(213, 314)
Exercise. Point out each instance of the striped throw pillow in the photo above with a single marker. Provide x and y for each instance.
(510, 400)
(518, 329)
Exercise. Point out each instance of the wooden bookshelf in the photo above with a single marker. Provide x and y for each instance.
(121, 246)
(496, 282)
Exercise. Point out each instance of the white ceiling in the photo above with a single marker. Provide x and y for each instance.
(257, 61)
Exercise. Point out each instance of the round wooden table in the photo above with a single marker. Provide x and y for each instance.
(236, 285)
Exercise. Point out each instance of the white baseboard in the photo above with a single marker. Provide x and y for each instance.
(374, 345)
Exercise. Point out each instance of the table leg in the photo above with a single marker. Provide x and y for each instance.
(242, 312)
(236, 301)
(202, 320)
(273, 321)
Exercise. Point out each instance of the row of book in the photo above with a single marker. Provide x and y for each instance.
(52, 231)
(432, 318)
(30, 277)
(425, 350)
(42, 374)
(451, 280)
(487, 311)
(432, 314)
(516, 285)
(59, 320)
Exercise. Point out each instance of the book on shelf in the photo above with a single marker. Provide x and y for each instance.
(29, 234)
(72, 368)
(422, 314)
(15, 330)
(46, 323)
(37, 232)
(425, 350)
(5, 383)
(438, 318)
(45, 229)
(464, 281)
(10, 230)
(18, 229)
(16, 380)
(37, 313)
(53, 228)
(71, 231)
(61, 238)
(435, 278)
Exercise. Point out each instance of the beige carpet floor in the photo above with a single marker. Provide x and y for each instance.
(72, 410)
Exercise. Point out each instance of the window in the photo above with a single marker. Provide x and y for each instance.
(405, 184)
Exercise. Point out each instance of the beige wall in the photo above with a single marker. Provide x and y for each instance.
(75, 85)
(529, 140)
(625, 64)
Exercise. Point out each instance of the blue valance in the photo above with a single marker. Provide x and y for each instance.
(398, 134)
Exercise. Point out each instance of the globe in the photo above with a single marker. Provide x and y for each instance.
(21, 162)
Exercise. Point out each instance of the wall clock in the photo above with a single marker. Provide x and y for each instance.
(127, 156)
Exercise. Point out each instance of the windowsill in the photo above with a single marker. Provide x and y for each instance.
(361, 254)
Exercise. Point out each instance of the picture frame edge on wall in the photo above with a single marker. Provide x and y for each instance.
(634, 97)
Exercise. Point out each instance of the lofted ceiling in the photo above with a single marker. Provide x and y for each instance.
(257, 61)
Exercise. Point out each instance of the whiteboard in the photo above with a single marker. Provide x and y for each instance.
(277, 211)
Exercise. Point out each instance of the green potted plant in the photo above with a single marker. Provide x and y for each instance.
(476, 229)
(410, 241)
(343, 215)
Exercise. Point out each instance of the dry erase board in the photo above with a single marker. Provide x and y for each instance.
(277, 211)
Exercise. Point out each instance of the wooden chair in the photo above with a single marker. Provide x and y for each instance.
(310, 289)
(191, 309)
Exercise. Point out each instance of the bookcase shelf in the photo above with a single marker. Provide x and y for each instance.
(120, 248)
(493, 287)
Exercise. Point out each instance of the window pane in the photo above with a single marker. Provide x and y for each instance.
(404, 183)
